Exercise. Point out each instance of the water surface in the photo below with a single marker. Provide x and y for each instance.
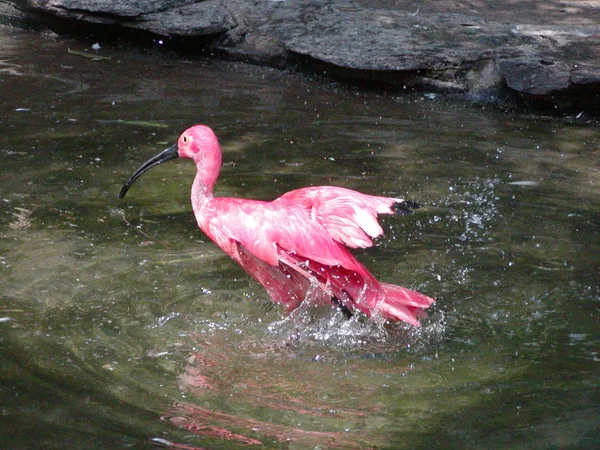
(123, 326)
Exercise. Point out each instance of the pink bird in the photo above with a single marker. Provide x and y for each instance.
(295, 246)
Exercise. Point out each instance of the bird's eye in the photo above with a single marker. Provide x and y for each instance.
(185, 139)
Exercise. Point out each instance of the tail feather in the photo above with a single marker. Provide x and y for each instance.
(351, 289)
(403, 304)
(399, 312)
(406, 296)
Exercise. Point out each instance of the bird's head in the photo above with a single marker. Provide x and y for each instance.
(198, 143)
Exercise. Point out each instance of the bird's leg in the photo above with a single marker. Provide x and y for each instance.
(341, 306)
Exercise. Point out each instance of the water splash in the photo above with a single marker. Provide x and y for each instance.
(477, 204)
(312, 324)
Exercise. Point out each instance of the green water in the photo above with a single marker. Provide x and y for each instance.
(122, 326)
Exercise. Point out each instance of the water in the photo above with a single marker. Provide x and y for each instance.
(122, 326)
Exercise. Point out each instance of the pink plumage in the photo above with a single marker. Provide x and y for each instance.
(295, 246)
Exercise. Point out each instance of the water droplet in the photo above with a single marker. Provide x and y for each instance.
(524, 183)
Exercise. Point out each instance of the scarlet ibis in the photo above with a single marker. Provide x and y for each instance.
(295, 245)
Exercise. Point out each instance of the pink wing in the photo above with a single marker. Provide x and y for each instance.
(267, 228)
(349, 216)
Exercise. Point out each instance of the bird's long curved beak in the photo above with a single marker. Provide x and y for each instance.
(165, 155)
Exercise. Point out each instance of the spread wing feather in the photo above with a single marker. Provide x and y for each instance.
(350, 217)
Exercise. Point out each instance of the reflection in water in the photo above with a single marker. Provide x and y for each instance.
(123, 326)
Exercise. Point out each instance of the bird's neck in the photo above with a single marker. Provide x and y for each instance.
(206, 177)
(201, 192)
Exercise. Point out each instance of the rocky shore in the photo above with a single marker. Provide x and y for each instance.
(543, 53)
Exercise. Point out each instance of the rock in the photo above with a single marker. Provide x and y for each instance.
(454, 51)
(447, 48)
(92, 10)
(197, 19)
(438, 50)
(548, 63)
(531, 76)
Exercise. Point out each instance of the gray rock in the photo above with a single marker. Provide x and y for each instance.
(90, 10)
(445, 51)
(197, 19)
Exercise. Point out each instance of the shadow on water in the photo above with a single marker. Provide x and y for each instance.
(122, 325)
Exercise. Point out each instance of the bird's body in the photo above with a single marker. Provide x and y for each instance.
(295, 246)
